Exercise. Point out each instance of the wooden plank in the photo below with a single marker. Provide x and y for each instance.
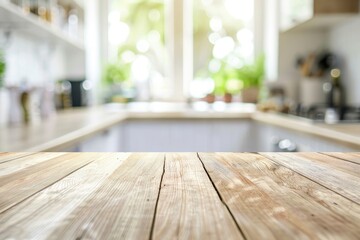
(122, 207)
(338, 181)
(189, 206)
(8, 156)
(335, 163)
(18, 186)
(351, 157)
(270, 201)
(25, 162)
(38, 216)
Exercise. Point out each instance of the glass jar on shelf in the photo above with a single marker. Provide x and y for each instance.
(25, 5)
(58, 14)
(50, 5)
(73, 22)
(42, 9)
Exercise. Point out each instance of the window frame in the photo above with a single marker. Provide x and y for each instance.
(179, 43)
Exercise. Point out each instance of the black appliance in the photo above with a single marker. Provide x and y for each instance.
(79, 93)
(347, 114)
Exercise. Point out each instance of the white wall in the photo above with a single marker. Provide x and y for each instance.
(31, 60)
(292, 45)
(30, 63)
(345, 42)
(34, 63)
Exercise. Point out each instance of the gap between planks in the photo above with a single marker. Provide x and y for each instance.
(15, 157)
(265, 177)
(157, 200)
(5, 209)
(340, 157)
(44, 188)
(307, 177)
(127, 215)
(221, 199)
(189, 206)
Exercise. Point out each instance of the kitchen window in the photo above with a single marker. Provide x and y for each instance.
(177, 49)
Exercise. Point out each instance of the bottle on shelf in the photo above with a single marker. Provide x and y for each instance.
(336, 93)
(335, 97)
(50, 5)
(63, 95)
(34, 7)
(43, 9)
(73, 22)
(25, 6)
(58, 14)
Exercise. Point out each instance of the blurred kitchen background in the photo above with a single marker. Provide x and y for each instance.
(284, 73)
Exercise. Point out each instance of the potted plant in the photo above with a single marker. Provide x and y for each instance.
(226, 82)
(115, 75)
(2, 68)
(3, 97)
(252, 76)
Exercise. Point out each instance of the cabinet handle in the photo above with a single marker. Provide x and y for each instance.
(285, 145)
(105, 132)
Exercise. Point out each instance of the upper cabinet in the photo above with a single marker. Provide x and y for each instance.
(57, 22)
(297, 15)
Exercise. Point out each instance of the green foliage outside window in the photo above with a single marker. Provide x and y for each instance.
(232, 80)
(143, 18)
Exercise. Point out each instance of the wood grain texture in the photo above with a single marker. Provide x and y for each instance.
(333, 162)
(122, 207)
(180, 196)
(270, 201)
(25, 162)
(189, 207)
(329, 176)
(41, 214)
(351, 157)
(7, 156)
(16, 187)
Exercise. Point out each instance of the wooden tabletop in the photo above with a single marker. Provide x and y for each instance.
(179, 195)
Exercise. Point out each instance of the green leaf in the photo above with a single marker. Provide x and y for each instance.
(252, 74)
(2, 67)
(116, 73)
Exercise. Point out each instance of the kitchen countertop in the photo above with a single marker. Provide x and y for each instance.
(344, 133)
(72, 126)
(179, 196)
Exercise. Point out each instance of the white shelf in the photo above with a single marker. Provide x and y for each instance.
(13, 18)
(320, 22)
(77, 3)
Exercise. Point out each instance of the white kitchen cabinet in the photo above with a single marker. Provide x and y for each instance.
(268, 136)
(201, 135)
(106, 141)
(315, 14)
(188, 135)
(233, 136)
